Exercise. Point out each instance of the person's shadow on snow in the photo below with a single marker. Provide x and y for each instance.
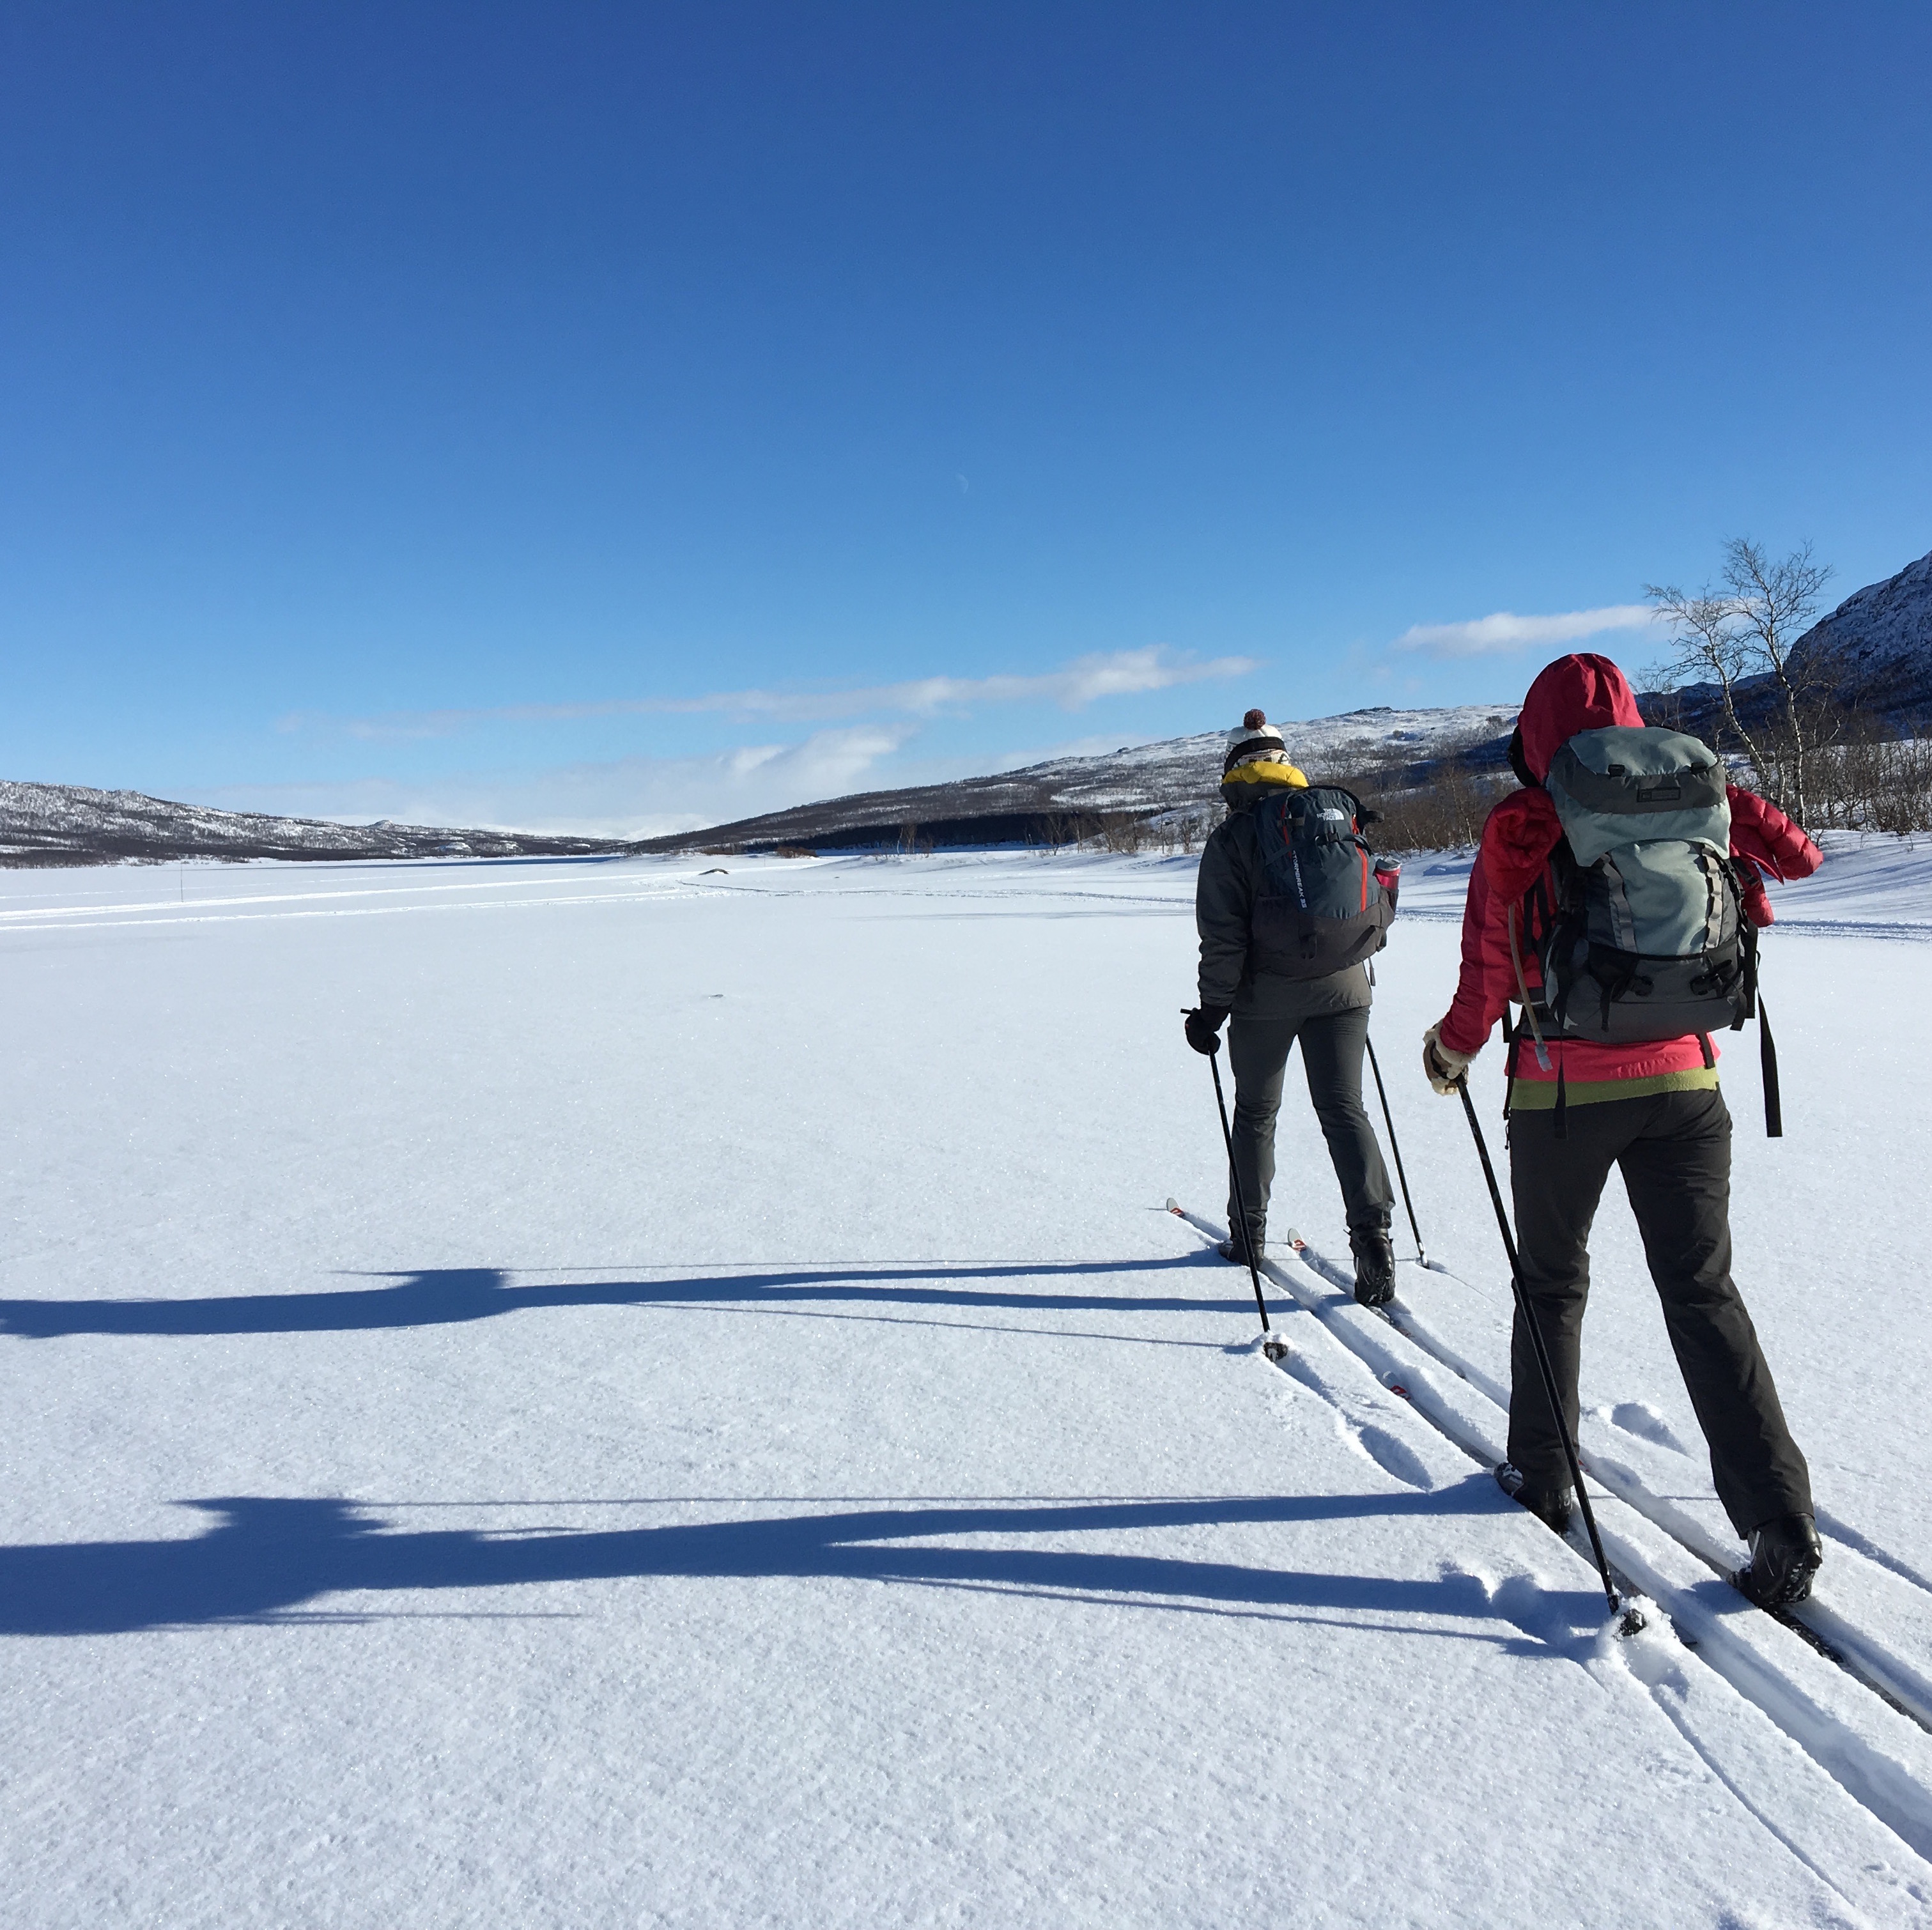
(446, 1296)
(265, 1556)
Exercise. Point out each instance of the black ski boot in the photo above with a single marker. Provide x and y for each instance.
(1375, 1265)
(1550, 1505)
(1234, 1248)
(1785, 1555)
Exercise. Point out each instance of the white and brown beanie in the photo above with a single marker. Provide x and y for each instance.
(1256, 759)
(1253, 739)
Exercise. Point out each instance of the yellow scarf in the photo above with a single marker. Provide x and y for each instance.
(1248, 781)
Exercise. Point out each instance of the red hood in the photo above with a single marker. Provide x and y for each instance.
(1583, 693)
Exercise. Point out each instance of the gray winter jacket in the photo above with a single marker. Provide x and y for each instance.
(1224, 898)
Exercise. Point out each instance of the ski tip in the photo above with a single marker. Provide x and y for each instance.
(1173, 1205)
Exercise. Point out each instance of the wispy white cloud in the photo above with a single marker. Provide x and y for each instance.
(626, 797)
(1072, 687)
(1505, 631)
(827, 763)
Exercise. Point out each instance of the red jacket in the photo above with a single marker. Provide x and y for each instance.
(1584, 692)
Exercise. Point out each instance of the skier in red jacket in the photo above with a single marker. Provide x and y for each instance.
(1652, 1109)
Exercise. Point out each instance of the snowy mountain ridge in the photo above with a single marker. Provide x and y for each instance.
(1876, 650)
(1877, 644)
(68, 824)
(1142, 780)
(1876, 647)
(65, 824)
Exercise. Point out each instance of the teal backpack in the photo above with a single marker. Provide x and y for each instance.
(1649, 940)
(1320, 907)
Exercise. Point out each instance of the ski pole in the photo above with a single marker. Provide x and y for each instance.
(1631, 1620)
(1395, 1146)
(1273, 1349)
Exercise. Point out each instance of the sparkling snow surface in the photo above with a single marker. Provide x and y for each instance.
(588, 1394)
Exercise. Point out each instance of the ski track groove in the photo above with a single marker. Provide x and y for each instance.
(1834, 1631)
(1876, 1751)
(1833, 1628)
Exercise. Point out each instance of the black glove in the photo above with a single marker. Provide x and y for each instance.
(1204, 1028)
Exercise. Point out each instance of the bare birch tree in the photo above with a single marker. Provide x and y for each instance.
(1744, 628)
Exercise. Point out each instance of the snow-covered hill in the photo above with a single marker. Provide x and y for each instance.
(1878, 643)
(1137, 780)
(66, 824)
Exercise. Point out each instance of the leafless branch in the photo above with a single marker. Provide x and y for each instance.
(1745, 628)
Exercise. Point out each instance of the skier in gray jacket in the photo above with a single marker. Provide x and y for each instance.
(1329, 1016)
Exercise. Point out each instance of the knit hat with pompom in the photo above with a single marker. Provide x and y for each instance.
(1254, 741)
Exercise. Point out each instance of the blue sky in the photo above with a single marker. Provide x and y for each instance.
(626, 416)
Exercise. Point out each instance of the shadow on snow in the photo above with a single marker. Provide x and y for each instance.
(447, 1295)
(266, 1556)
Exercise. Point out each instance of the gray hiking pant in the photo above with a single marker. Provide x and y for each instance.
(1331, 1056)
(1675, 1149)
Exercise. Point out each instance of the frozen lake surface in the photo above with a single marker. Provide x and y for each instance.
(627, 1393)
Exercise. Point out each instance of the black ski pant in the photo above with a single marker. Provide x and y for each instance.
(1675, 1149)
(1331, 1056)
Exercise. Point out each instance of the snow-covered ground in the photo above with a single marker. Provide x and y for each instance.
(602, 1394)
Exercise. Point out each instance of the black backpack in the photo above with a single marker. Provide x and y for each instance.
(1321, 908)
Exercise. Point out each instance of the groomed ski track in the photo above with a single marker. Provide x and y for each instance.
(1862, 1590)
(1874, 1745)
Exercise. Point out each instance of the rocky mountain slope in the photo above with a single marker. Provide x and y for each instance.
(1877, 646)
